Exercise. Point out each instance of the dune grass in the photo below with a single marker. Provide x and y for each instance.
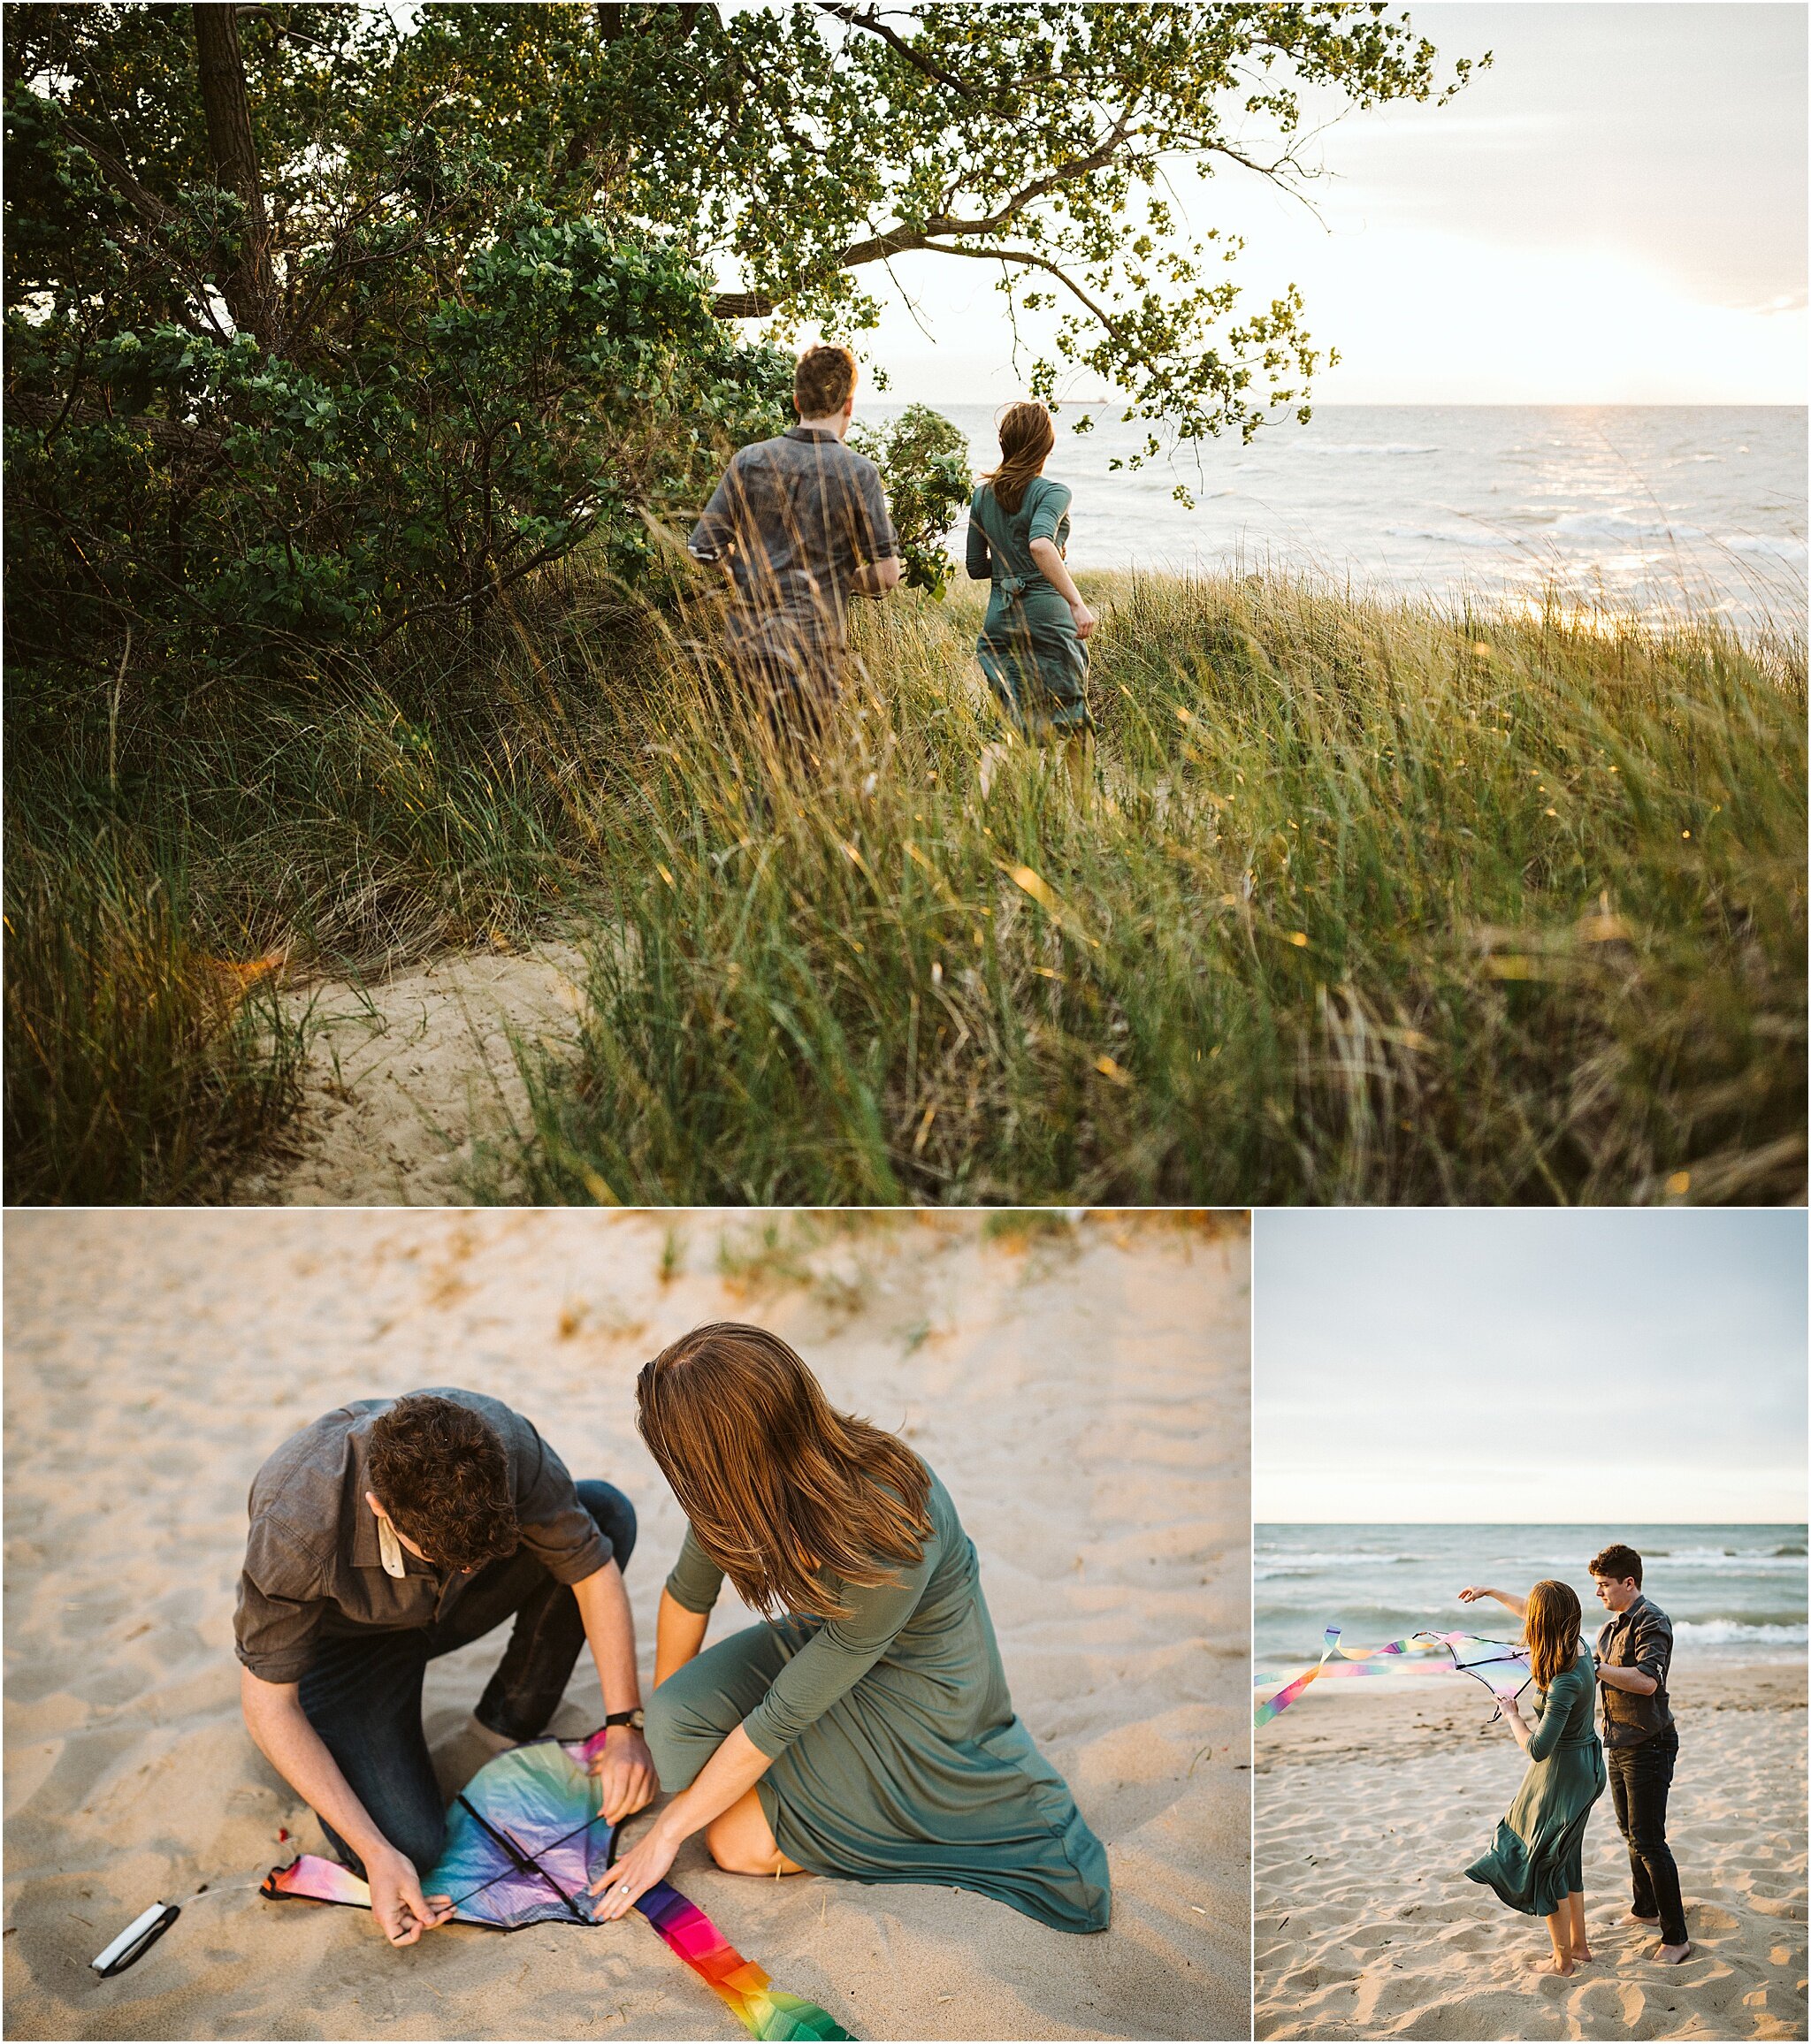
(1369, 902)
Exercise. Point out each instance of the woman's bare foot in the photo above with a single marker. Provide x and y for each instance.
(1559, 1963)
(1671, 1954)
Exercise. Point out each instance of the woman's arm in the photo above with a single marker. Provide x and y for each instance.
(1520, 1729)
(980, 565)
(725, 1778)
(1507, 1599)
(678, 1635)
(1055, 571)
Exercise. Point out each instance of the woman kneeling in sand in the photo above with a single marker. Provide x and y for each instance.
(1537, 1863)
(865, 1730)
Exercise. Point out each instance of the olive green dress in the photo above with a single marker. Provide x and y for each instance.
(1538, 1857)
(897, 1754)
(1035, 663)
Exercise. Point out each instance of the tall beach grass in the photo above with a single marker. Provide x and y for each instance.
(1369, 901)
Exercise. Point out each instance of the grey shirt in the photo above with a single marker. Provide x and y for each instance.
(1639, 1637)
(794, 518)
(313, 1564)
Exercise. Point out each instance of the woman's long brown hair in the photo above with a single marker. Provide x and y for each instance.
(782, 1489)
(1027, 437)
(1550, 1625)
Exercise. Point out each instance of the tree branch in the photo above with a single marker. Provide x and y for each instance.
(870, 21)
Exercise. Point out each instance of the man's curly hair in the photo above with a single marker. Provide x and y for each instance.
(439, 1471)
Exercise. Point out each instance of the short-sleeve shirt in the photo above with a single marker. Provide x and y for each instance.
(794, 518)
(1639, 1637)
(314, 1567)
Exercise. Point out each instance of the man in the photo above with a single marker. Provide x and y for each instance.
(1641, 1741)
(799, 524)
(389, 1532)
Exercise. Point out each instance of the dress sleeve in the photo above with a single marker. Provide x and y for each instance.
(838, 1655)
(1052, 507)
(695, 1579)
(981, 565)
(1562, 1699)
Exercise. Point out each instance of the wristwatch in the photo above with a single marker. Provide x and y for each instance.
(633, 1719)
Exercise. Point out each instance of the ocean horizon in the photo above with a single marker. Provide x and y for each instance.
(1646, 511)
(1735, 1593)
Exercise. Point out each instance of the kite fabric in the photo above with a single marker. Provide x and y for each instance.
(526, 1838)
(1503, 1669)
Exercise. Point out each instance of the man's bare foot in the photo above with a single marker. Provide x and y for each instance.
(1636, 1917)
(1671, 1954)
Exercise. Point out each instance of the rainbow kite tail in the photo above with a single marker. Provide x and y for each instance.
(1264, 1713)
(763, 2009)
(312, 1879)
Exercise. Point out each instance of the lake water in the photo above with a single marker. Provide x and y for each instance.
(1638, 508)
(1734, 1593)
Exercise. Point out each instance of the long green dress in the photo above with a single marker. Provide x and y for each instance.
(897, 1754)
(1035, 663)
(1538, 1857)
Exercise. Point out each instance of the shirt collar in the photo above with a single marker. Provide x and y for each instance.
(812, 433)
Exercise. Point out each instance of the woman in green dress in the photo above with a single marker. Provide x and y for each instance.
(865, 1729)
(1536, 1863)
(1033, 645)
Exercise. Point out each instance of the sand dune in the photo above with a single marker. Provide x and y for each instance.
(1083, 1395)
(1369, 1806)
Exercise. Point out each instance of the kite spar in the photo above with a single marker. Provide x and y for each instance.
(525, 1838)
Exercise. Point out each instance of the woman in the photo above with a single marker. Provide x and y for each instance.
(1537, 1863)
(1033, 643)
(865, 1729)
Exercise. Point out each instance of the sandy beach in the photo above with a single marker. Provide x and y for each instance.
(1082, 1391)
(1368, 1806)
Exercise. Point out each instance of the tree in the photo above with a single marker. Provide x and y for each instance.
(317, 323)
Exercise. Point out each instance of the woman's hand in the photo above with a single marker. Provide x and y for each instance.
(1471, 1594)
(1085, 620)
(623, 1885)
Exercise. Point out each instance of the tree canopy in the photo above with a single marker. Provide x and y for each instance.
(323, 319)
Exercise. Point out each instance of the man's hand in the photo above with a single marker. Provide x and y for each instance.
(402, 1911)
(625, 1771)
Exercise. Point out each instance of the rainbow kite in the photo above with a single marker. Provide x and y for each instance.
(526, 1838)
(1503, 1669)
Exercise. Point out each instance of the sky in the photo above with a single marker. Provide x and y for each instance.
(1615, 213)
(1513, 1366)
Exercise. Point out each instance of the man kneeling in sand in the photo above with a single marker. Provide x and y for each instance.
(799, 524)
(394, 1531)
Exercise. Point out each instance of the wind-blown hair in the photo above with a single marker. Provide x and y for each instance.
(782, 1489)
(1550, 1626)
(1027, 437)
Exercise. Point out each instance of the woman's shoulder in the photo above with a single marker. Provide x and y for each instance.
(1049, 486)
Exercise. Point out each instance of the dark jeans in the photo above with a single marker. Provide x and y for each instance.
(362, 1695)
(1639, 1777)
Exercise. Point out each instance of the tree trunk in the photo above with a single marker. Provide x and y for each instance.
(248, 287)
